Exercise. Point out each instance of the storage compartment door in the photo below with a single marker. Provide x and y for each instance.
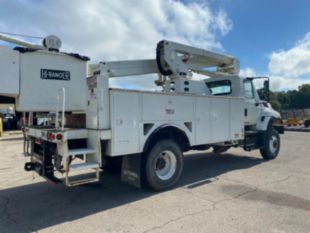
(9, 72)
(237, 119)
(125, 121)
(203, 126)
(219, 118)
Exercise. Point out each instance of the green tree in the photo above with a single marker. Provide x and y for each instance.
(275, 103)
(293, 99)
(298, 99)
(304, 96)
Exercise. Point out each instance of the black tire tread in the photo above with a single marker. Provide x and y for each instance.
(265, 152)
(152, 180)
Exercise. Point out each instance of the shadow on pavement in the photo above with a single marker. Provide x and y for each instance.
(38, 206)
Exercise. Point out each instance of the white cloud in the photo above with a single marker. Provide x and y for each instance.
(247, 72)
(291, 68)
(279, 83)
(294, 62)
(223, 22)
(113, 30)
(287, 69)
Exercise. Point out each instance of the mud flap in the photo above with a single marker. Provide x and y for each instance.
(131, 170)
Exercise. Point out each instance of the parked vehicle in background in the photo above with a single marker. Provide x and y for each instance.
(9, 119)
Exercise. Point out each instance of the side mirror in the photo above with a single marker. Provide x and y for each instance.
(266, 90)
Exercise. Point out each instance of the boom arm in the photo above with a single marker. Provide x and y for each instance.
(20, 42)
(51, 42)
(178, 60)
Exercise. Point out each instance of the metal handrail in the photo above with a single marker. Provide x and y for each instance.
(63, 109)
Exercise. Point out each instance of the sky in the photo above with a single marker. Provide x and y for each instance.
(269, 37)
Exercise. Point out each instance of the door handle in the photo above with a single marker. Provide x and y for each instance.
(245, 112)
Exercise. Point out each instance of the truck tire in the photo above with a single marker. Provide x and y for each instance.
(164, 165)
(271, 145)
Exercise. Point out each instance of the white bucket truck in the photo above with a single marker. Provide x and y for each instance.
(142, 133)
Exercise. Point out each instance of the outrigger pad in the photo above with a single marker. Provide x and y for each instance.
(131, 170)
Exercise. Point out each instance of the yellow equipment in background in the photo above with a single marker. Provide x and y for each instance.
(289, 118)
(295, 117)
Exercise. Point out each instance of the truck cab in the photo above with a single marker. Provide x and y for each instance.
(256, 107)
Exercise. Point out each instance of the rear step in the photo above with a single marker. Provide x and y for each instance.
(82, 181)
(81, 151)
(82, 166)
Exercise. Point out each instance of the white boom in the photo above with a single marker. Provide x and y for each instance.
(50, 42)
(20, 42)
(179, 60)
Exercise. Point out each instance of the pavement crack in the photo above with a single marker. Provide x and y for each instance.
(5, 208)
(177, 219)
(214, 207)
(194, 194)
(259, 186)
(6, 212)
(252, 190)
(235, 181)
(6, 168)
(276, 181)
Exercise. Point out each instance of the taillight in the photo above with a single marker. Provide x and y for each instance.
(59, 136)
(51, 136)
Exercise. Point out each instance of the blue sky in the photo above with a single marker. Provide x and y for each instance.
(263, 26)
(268, 37)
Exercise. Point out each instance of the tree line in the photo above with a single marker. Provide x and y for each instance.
(293, 99)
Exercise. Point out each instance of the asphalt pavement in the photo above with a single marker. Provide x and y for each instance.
(233, 192)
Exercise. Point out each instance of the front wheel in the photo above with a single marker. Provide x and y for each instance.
(271, 145)
(164, 165)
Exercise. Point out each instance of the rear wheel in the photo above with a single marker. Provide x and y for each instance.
(164, 165)
(307, 123)
(271, 145)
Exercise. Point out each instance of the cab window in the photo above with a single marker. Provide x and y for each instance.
(222, 87)
(248, 89)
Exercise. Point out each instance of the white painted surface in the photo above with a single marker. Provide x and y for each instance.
(9, 67)
(37, 94)
(165, 107)
(219, 119)
(214, 119)
(236, 119)
(203, 124)
(125, 121)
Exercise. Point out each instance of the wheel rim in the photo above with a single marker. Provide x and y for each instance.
(273, 144)
(165, 165)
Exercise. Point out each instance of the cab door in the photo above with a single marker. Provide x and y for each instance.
(252, 109)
